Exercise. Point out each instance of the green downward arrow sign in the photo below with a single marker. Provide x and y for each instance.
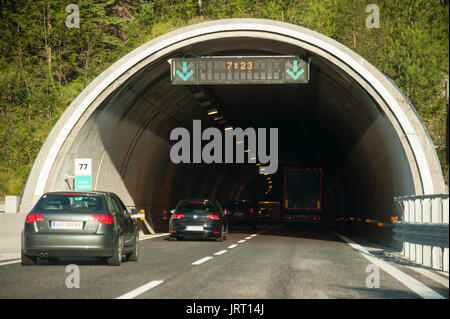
(293, 73)
(185, 75)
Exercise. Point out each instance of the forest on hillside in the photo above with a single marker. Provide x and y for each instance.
(44, 64)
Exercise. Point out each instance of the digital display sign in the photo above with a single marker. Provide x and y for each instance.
(239, 70)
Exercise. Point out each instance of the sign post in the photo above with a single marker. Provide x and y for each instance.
(83, 174)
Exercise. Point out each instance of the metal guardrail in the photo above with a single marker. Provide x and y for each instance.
(422, 233)
(423, 229)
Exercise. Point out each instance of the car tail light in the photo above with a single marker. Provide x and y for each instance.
(288, 217)
(266, 215)
(316, 218)
(212, 216)
(251, 210)
(103, 219)
(31, 218)
(178, 216)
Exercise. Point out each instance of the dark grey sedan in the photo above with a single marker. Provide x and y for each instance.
(199, 218)
(80, 224)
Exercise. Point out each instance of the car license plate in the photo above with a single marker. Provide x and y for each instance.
(194, 228)
(66, 225)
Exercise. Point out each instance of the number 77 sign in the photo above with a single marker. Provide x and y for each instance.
(83, 174)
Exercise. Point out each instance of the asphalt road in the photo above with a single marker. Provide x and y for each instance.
(269, 263)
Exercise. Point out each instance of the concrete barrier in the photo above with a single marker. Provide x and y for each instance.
(11, 226)
(12, 204)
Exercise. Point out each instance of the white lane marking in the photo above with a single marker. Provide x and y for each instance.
(232, 246)
(254, 235)
(153, 236)
(138, 291)
(441, 280)
(220, 252)
(201, 261)
(249, 237)
(241, 241)
(406, 280)
(10, 262)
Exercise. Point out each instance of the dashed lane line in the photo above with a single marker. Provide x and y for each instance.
(140, 290)
(202, 260)
(221, 252)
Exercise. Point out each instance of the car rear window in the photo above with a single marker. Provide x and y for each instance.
(72, 202)
(187, 206)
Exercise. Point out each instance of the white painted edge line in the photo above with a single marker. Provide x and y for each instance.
(138, 291)
(221, 252)
(241, 241)
(232, 246)
(9, 262)
(253, 235)
(439, 279)
(201, 261)
(153, 236)
(413, 284)
(249, 237)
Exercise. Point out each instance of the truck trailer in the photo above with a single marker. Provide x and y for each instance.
(302, 195)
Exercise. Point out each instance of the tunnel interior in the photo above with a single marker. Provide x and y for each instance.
(331, 123)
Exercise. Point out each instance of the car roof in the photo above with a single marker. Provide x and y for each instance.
(79, 192)
(197, 200)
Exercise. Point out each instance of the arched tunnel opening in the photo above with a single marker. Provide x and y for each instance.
(337, 122)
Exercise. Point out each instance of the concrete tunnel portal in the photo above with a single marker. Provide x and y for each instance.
(350, 120)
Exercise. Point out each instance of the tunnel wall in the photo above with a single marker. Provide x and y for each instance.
(122, 121)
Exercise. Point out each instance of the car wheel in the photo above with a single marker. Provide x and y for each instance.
(133, 256)
(222, 234)
(172, 238)
(28, 260)
(116, 259)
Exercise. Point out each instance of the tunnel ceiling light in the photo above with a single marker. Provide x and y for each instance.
(199, 94)
(253, 158)
(258, 164)
(212, 111)
(223, 121)
(229, 127)
(239, 142)
(270, 182)
(205, 103)
(218, 118)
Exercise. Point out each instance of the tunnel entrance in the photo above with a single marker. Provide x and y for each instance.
(350, 120)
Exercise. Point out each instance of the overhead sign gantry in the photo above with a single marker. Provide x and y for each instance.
(285, 69)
